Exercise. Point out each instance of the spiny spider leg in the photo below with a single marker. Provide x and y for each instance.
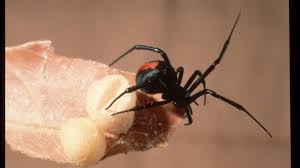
(143, 47)
(191, 79)
(128, 90)
(189, 112)
(145, 106)
(217, 61)
(236, 105)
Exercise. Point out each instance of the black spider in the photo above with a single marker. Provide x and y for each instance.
(159, 76)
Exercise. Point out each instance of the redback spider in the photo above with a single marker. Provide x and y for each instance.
(159, 76)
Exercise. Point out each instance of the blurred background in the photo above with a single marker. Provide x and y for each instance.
(254, 71)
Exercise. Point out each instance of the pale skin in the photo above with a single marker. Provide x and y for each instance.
(46, 98)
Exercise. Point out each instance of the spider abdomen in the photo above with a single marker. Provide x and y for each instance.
(145, 73)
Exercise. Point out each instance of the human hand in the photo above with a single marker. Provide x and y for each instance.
(46, 92)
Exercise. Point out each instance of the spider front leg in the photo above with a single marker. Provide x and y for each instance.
(234, 104)
(143, 47)
(145, 106)
(129, 90)
(217, 61)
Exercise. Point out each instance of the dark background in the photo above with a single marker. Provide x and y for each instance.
(254, 71)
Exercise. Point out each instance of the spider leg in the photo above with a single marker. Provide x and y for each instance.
(189, 113)
(234, 104)
(143, 47)
(217, 61)
(179, 74)
(145, 106)
(191, 79)
(128, 90)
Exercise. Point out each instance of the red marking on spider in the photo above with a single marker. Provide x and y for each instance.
(148, 65)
